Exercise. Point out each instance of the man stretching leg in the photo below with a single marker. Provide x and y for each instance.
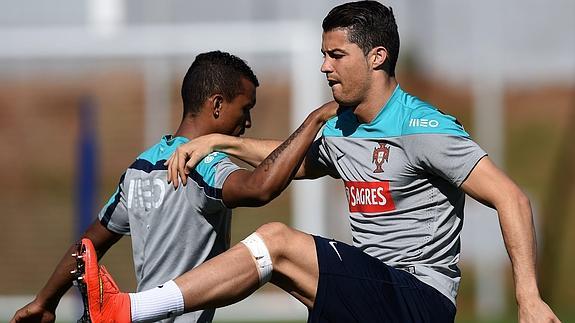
(406, 168)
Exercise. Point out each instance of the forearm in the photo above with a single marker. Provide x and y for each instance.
(488, 184)
(61, 279)
(276, 171)
(252, 151)
(519, 236)
(59, 282)
(281, 165)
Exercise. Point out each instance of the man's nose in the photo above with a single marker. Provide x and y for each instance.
(326, 66)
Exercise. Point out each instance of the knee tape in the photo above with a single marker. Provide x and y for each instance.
(260, 252)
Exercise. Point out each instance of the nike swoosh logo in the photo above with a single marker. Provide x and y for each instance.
(332, 244)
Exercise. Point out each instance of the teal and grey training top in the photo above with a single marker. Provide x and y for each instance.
(402, 174)
(172, 231)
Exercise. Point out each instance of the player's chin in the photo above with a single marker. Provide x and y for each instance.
(343, 102)
(338, 97)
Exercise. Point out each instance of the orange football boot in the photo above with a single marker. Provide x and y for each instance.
(103, 301)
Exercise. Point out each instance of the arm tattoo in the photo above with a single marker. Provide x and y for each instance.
(270, 160)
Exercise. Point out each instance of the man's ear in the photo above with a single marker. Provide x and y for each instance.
(216, 102)
(377, 57)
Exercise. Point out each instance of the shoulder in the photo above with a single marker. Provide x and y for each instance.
(154, 157)
(149, 160)
(403, 114)
(212, 159)
(420, 117)
(214, 166)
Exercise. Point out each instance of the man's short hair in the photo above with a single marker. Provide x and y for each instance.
(369, 24)
(211, 73)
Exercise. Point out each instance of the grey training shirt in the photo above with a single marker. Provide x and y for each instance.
(402, 174)
(172, 231)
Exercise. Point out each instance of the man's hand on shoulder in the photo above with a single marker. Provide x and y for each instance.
(187, 156)
(327, 111)
(34, 312)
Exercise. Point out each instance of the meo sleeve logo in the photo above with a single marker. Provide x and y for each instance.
(369, 197)
(380, 155)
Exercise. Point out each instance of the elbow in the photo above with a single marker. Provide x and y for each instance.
(255, 200)
(255, 196)
(522, 200)
(515, 202)
(266, 192)
(516, 194)
(266, 195)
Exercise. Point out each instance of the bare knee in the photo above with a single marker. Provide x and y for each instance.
(295, 266)
(276, 236)
(274, 232)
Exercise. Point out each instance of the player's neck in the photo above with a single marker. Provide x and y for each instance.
(375, 100)
(191, 128)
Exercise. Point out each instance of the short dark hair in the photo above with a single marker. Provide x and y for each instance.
(369, 24)
(214, 72)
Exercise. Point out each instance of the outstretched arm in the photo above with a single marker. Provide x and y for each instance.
(275, 172)
(43, 307)
(252, 151)
(492, 187)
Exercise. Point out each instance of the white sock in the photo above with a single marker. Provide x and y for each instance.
(158, 303)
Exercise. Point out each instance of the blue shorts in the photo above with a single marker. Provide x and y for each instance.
(356, 287)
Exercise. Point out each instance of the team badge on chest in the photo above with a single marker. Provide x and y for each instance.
(380, 155)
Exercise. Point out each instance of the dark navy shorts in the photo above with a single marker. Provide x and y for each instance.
(356, 287)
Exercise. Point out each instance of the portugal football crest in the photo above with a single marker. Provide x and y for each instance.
(380, 155)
